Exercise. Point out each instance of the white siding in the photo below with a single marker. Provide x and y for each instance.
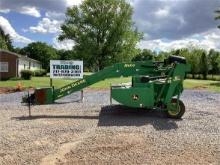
(35, 65)
(26, 64)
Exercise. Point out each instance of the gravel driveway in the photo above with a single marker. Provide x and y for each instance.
(93, 132)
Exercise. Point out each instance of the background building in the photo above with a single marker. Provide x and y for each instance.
(12, 63)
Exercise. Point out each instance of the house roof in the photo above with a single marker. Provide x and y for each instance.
(19, 55)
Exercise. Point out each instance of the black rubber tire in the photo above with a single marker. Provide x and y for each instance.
(181, 111)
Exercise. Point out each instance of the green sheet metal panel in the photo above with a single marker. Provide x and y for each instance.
(134, 96)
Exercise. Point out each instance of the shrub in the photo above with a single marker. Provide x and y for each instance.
(40, 72)
(26, 74)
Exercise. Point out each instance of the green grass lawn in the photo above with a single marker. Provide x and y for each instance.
(35, 82)
(202, 84)
(45, 82)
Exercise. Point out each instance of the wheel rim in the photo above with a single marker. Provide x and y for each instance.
(173, 109)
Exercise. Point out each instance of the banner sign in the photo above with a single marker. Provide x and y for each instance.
(66, 69)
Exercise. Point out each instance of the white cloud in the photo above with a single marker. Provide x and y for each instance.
(32, 11)
(164, 12)
(174, 19)
(66, 44)
(73, 2)
(167, 24)
(53, 20)
(55, 15)
(27, 10)
(4, 10)
(8, 29)
(46, 26)
(208, 40)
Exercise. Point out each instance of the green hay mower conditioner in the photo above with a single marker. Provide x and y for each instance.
(155, 85)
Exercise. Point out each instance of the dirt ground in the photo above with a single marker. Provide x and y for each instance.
(7, 90)
(93, 132)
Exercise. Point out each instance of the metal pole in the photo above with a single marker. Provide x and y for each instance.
(29, 104)
(51, 82)
(82, 97)
(110, 94)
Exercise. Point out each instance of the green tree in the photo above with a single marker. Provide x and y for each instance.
(3, 44)
(5, 40)
(204, 65)
(40, 51)
(192, 57)
(67, 55)
(102, 30)
(161, 56)
(199, 62)
(17, 50)
(184, 52)
(144, 55)
(213, 57)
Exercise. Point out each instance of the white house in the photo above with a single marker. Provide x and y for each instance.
(12, 63)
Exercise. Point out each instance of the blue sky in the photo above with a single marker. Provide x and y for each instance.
(166, 24)
(20, 22)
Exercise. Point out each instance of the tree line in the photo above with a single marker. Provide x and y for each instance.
(104, 33)
(202, 62)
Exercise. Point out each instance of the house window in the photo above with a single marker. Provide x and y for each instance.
(3, 66)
